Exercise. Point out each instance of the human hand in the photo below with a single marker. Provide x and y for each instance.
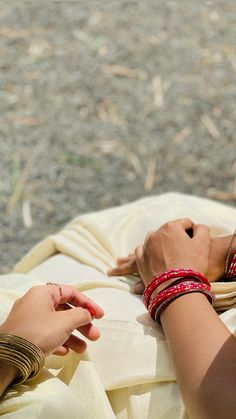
(178, 247)
(216, 263)
(47, 317)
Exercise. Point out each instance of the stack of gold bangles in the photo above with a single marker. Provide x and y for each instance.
(21, 353)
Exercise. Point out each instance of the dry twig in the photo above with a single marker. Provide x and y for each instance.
(16, 195)
(26, 214)
(157, 92)
(135, 162)
(182, 135)
(122, 71)
(150, 176)
(210, 126)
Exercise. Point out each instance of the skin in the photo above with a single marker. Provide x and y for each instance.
(47, 319)
(202, 348)
(215, 271)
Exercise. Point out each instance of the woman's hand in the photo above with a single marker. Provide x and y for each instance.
(167, 248)
(47, 315)
(216, 263)
(171, 247)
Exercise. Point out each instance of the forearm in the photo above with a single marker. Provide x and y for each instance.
(204, 357)
(7, 374)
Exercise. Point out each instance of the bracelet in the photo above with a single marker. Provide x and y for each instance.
(209, 294)
(24, 355)
(165, 297)
(166, 276)
(231, 271)
(228, 255)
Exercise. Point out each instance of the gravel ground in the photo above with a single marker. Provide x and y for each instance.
(103, 102)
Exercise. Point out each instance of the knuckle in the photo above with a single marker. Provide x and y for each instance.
(152, 237)
(84, 314)
(35, 289)
(137, 249)
(169, 225)
(186, 219)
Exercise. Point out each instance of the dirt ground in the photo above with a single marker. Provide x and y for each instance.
(103, 102)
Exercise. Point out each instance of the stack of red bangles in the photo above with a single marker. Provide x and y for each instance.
(184, 281)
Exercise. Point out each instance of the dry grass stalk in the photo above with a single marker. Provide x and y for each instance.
(16, 195)
(150, 176)
(135, 162)
(221, 195)
(182, 135)
(210, 126)
(28, 121)
(122, 71)
(157, 92)
(26, 214)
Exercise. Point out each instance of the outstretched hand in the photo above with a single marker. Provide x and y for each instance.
(47, 315)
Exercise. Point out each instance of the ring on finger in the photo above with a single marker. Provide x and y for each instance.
(57, 285)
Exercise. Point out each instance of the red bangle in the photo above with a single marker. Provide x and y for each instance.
(209, 294)
(172, 291)
(172, 274)
(231, 271)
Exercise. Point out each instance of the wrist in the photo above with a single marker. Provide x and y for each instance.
(8, 373)
(217, 257)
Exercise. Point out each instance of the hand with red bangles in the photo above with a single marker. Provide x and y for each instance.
(216, 261)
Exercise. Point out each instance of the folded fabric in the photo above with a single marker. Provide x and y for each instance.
(97, 239)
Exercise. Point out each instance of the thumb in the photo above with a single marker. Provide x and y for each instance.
(74, 318)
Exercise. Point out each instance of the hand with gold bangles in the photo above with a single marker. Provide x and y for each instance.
(41, 323)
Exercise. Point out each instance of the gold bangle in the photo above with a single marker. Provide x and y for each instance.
(24, 355)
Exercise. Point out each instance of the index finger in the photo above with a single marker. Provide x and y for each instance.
(71, 295)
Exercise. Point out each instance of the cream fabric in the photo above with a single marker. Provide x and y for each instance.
(127, 374)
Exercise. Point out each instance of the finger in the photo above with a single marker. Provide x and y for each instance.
(201, 232)
(122, 260)
(72, 296)
(89, 331)
(184, 223)
(131, 254)
(61, 351)
(139, 252)
(147, 237)
(129, 267)
(74, 318)
(139, 287)
(76, 344)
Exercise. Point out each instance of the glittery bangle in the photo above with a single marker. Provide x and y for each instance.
(156, 281)
(171, 292)
(209, 294)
